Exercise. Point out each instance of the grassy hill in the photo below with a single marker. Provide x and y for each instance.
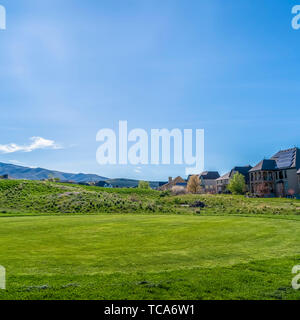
(31, 197)
(36, 197)
(77, 242)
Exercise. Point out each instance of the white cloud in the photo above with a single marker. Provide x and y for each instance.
(36, 143)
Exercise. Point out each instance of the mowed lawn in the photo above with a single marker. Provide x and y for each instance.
(149, 257)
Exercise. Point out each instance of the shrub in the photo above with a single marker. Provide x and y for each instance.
(144, 185)
(165, 193)
(237, 184)
(198, 204)
(178, 190)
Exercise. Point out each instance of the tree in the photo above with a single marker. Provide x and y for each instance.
(144, 185)
(237, 184)
(52, 178)
(194, 184)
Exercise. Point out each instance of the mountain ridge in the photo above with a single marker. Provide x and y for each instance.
(21, 172)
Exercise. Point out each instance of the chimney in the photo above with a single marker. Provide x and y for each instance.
(170, 179)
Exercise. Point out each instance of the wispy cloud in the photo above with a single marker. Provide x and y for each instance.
(36, 143)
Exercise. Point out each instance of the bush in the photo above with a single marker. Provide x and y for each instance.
(237, 184)
(198, 204)
(165, 193)
(178, 190)
(144, 185)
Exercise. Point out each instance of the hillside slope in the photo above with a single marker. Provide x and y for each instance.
(40, 197)
(19, 172)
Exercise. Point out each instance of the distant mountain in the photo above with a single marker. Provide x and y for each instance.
(19, 172)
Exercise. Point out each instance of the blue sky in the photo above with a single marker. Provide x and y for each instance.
(70, 68)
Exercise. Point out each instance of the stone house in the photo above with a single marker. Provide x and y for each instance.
(172, 183)
(223, 181)
(276, 176)
(208, 181)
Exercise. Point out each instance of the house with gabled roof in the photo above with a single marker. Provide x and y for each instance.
(223, 181)
(172, 183)
(208, 181)
(242, 170)
(277, 176)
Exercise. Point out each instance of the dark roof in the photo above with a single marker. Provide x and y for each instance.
(225, 176)
(210, 175)
(265, 165)
(242, 170)
(180, 184)
(172, 183)
(286, 159)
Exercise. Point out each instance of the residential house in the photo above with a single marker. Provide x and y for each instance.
(276, 176)
(4, 177)
(182, 184)
(208, 181)
(242, 170)
(223, 181)
(172, 183)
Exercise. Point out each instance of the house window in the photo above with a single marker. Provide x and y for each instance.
(285, 174)
(265, 176)
(270, 176)
(280, 175)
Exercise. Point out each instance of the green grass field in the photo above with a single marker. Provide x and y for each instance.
(234, 248)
